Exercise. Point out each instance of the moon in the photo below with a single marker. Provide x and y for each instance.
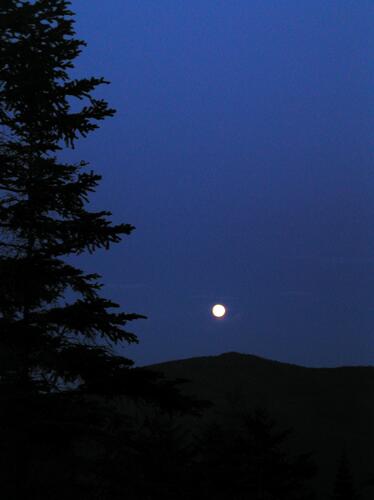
(218, 311)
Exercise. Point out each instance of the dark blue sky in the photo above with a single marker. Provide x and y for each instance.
(242, 152)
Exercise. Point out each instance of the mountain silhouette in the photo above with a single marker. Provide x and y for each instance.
(331, 410)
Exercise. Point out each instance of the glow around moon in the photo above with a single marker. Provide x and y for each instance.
(218, 311)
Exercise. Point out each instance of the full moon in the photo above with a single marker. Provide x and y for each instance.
(218, 310)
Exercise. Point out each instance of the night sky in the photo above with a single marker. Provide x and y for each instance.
(242, 152)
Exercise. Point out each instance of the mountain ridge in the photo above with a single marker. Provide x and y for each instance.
(330, 409)
(236, 354)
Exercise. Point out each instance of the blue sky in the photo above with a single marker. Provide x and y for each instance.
(242, 152)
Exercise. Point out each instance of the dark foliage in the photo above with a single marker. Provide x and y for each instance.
(325, 407)
(58, 334)
(344, 488)
(252, 461)
(51, 343)
(163, 458)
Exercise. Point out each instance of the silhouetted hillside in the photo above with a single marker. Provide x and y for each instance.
(331, 410)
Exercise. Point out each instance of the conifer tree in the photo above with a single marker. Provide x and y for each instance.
(51, 342)
(252, 462)
(57, 332)
(344, 486)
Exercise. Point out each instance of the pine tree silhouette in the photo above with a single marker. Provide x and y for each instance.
(58, 333)
(344, 486)
(52, 343)
(252, 461)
